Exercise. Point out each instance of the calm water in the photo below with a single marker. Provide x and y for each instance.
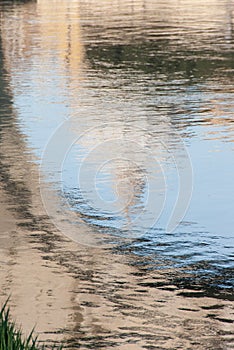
(117, 166)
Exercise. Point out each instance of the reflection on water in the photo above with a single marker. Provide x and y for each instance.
(136, 85)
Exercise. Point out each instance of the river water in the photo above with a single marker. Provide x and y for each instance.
(116, 171)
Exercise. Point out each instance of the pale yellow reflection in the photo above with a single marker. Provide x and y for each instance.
(219, 115)
(44, 36)
(61, 33)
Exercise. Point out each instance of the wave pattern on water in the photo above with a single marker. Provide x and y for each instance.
(133, 81)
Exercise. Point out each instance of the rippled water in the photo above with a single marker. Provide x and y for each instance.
(125, 110)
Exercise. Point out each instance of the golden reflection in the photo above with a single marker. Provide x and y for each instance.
(45, 34)
(60, 33)
(220, 116)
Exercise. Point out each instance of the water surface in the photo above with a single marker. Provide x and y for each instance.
(127, 98)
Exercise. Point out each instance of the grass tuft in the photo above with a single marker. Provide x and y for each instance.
(12, 339)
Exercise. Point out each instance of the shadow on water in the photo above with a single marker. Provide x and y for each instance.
(15, 189)
(194, 66)
(16, 171)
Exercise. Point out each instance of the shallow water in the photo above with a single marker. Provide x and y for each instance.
(117, 171)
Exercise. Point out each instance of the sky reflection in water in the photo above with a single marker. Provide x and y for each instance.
(143, 74)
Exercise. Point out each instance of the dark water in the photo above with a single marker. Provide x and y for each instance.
(117, 169)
